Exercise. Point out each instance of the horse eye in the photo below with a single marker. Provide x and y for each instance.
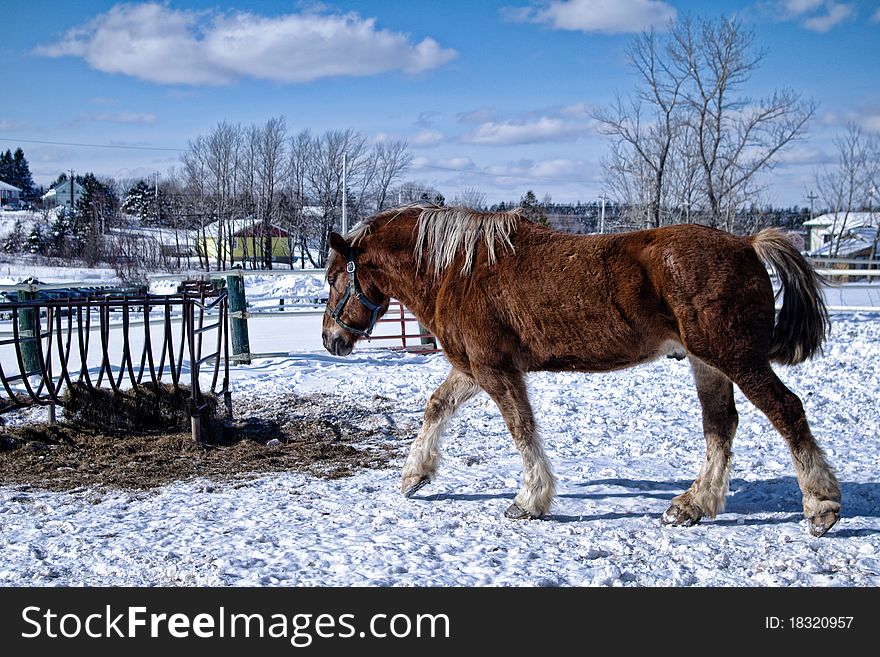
(331, 281)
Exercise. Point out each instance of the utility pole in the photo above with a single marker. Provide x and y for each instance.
(344, 200)
(603, 198)
(811, 197)
(72, 183)
(156, 197)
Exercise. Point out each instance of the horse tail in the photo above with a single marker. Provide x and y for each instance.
(802, 322)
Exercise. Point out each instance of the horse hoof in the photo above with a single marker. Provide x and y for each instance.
(516, 512)
(421, 483)
(822, 522)
(678, 517)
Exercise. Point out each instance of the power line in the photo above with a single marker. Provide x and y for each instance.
(67, 143)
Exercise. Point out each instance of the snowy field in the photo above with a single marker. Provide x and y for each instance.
(622, 445)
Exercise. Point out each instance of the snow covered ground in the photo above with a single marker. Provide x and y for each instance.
(623, 444)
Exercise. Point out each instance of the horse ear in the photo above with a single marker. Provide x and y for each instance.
(338, 244)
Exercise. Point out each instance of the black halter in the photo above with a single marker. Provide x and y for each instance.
(353, 290)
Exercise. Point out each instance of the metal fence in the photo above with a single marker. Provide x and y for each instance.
(413, 337)
(94, 341)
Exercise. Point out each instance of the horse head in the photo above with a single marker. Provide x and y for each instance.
(355, 303)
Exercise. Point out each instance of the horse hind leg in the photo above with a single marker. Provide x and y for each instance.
(817, 481)
(708, 494)
(421, 464)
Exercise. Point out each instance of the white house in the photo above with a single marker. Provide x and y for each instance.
(8, 194)
(61, 194)
(827, 226)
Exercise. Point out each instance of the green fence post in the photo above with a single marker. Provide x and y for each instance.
(241, 344)
(430, 341)
(27, 328)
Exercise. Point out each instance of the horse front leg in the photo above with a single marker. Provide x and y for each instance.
(420, 467)
(508, 391)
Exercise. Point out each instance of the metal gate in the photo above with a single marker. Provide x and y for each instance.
(95, 341)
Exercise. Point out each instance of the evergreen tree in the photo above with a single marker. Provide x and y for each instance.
(36, 241)
(60, 234)
(6, 167)
(21, 176)
(532, 210)
(97, 204)
(143, 202)
(14, 170)
(14, 242)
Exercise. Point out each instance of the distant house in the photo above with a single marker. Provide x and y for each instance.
(857, 243)
(841, 232)
(61, 195)
(9, 194)
(248, 239)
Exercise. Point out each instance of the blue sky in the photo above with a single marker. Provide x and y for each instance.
(492, 95)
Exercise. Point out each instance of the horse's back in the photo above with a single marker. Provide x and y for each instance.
(610, 301)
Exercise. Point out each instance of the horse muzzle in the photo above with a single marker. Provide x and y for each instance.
(336, 343)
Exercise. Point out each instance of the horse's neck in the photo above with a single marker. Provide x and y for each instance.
(415, 287)
(402, 277)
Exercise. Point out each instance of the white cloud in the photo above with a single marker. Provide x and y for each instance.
(607, 16)
(455, 164)
(865, 116)
(554, 169)
(815, 15)
(875, 17)
(479, 115)
(798, 7)
(870, 122)
(153, 42)
(6, 124)
(529, 130)
(799, 155)
(427, 137)
(824, 22)
(143, 118)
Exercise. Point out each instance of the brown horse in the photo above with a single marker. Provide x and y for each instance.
(505, 296)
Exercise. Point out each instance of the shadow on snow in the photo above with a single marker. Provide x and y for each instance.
(779, 495)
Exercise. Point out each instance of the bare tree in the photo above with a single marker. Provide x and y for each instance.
(195, 167)
(470, 197)
(646, 126)
(413, 191)
(324, 177)
(847, 187)
(299, 151)
(262, 174)
(392, 159)
(222, 145)
(735, 137)
(687, 144)
(271, 164)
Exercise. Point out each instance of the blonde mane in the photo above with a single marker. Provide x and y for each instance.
(443, 233)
